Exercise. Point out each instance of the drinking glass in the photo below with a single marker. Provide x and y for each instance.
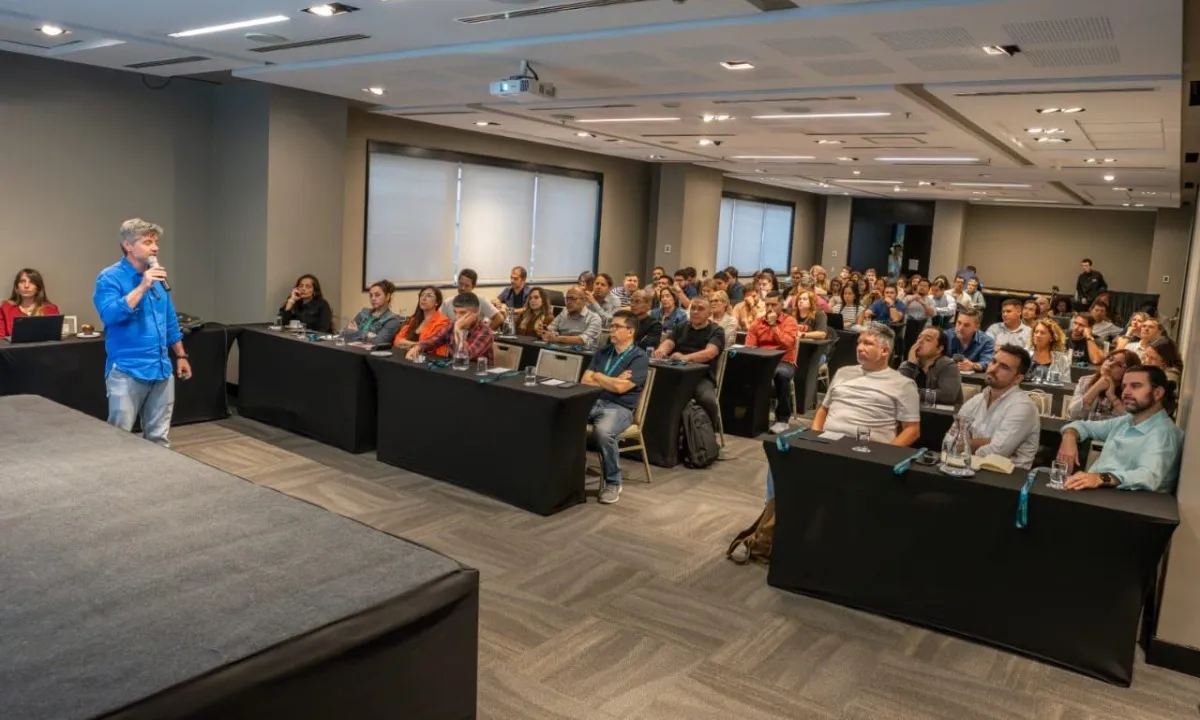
(278, 322)
(1054, 377)
(929, 398)
(420, 358)
(863, 434)
(461, 361)
(481, 367)
(339, 340)
(531, 376)
(1058, 475)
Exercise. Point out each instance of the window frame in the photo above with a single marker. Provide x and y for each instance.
(765, 201)
(454, 156)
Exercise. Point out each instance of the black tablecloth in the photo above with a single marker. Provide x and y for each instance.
(747, 390)
(524, 445)
(71, 373)
(808, 366)
(845, 351)
(314, 389)
(1061, 393)
(673, 387)
(944, 552)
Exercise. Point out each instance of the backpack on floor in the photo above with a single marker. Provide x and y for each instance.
(698, 446)
(755, 540)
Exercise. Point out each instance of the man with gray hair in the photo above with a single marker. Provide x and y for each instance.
(134, 302)
(872, 395)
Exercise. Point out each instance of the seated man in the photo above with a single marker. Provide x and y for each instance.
(601, 299)
(1082, 344)
(975, 347)
(871, 394)
(778, 331)
(919, 304)
(887, 309)
(1011, 331)
(1103, 328)
(649, 328)
(1141, 448)
(1004, 420)
(619, 369)
(513, 297)
(930, 369)
(576, 325)
(1029, 315)
(628, 287)
(467, 331)
(467, 280)
(698, 341)
(944, 306)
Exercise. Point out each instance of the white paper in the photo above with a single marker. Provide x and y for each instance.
(830, 435)
(552, 382)
(944, 407)
(498, 370)
(736, 347)
(914, 264)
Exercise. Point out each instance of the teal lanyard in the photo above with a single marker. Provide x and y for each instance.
(616, 361)
(366, 326)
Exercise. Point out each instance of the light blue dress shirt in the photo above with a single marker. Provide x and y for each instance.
(1143, 456)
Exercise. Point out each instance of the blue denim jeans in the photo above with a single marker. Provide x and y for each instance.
(608, 421)
(130, 399)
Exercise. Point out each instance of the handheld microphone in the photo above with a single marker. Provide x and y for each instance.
(154, 263)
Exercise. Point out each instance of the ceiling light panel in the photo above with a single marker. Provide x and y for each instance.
(238, 25)
(630, 120)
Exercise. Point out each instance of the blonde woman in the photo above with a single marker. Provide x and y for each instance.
(820, 280)
(1048, 350)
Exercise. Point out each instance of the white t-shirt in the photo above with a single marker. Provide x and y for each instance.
(877, 400)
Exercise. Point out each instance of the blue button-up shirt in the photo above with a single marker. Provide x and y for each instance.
(136, 338)
(1143, 456)
(981, 350)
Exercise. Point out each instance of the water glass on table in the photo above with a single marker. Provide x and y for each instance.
(1054, 377)
(481, 366)
(928, 398)
(339, 340)
(530, 376)
(863, 435)
(1058, 475)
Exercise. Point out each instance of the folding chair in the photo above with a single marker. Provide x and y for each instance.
(722, 359)
(560, 366)
(634, 431)
(506, 356)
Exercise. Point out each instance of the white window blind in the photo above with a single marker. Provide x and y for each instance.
(427, 219)
(754, 234)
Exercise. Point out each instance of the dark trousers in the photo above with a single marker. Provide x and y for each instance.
(706, 396)
(784, 372)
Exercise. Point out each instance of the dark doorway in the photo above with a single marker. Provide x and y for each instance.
(878, 226)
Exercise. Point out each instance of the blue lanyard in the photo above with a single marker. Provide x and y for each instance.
(616, 361)
(1023, 503)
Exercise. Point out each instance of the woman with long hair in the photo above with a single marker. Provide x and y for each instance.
(1098, 396)
(1164, 353)
(668, 312)
(426, 321)
(835, 289)
(1133, 333)
(376, 323)
(820, 280)
(1048, 351)
(28, 299)
(306, 304)
(813, 325)
(847, 305)
(536, 315)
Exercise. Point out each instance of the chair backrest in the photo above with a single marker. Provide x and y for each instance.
(639, 412)
(506, 356)
(969, 391)
(1043, 401)
(556, 297)
(602, 340)
(835, 321)
(559, 365)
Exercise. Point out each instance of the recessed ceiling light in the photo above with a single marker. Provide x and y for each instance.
(1121, 189)
(485, 123)
(1126, 204)
(1091, 161)
(819, 116)
(330, 9)
(1033, 131)
(845, 193)
(924, 183)
(1110, 160)
(1009, 50)
(374, 90)
(737, 65)
(52, 30)
(1053, 140)
(654, 157)
(829, 142)
(871, 182)
(927, 159)
(1139, 205)
(991, 185)
(1109, 178)
(979, 192)
(630, 120)
(771, 157)
(229, 26)
(714, 118)
(1072, 110)
(1149, 192)
(1024, 200)
(584, 134)
(704, 142)
(1049, 111)
(856, 172)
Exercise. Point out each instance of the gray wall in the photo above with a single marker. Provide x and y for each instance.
(835, 233)
(1168, 259)
(81, 150)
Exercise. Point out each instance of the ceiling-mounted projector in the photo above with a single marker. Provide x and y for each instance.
(523, 87)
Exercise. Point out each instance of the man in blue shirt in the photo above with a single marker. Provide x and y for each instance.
(1141, 448)
(514, 296)
(888, 309)
(619, 369)
(140, 324)
(977, 348)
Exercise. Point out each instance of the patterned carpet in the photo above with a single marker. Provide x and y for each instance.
(631, 611)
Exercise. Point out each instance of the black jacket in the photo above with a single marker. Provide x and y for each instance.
(1089, 285)
(315, 314)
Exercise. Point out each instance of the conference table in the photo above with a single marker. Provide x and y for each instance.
(1060, 393)
(71, 372)
(525, 445)
(674, 386)
(946, 553)
(747, 390)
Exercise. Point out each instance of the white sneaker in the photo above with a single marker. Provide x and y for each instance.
(779, 427)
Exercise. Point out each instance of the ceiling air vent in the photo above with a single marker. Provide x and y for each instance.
(168, 61)
(310, 43)
(759, 101)
(544, 10)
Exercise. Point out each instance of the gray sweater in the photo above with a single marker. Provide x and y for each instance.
(943, 376)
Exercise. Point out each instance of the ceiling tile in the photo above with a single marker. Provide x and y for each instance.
(812, 46)
(927, 39)
(1051, 32)
(1069, 57)
(846, 68)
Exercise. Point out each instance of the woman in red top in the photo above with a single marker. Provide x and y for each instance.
(28, 299)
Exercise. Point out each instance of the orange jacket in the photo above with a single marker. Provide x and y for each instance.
(434, 324)
(780, 337)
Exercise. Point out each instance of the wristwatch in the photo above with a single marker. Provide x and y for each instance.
(1107, 479)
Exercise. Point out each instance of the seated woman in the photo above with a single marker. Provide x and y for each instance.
(28, 299)
(1098, 396)
(1133, 333)
(1164, 353)
(1048, 351)
(536, 315)
(847, 305)
(425, 322)
(307, 305)
(718, 302)
(812, 323)
(668, 312)
(376, 324)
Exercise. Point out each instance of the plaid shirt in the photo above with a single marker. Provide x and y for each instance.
(478, 341)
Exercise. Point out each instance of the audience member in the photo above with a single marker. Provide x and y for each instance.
(1082, 345)
(536, 316)
(698, 341)
(919, 305)
(601, 299)
(966, 339)
(1103, 329)
(376, 324)
(1163, 353)
(1048, 345)
(969, 273)
(426, 321)
(887, 310)
(28, 299)
(1150, 330)
(513, 297)
(736, 290)
(308, 305)
(1141, 447)
(848, 306)
(820, 280)
(668, 312)
(718, 302)
(467, 280)
(1029, 313)
(834, 293)
(685, 287)
(1010, 330)
(1043, 305)
(958, 291)
(977, 298)
(655, 274)
(1098, 396)
(1133, 333)
(930, 369)
(468, 331)
(944, 304)
(872, 395)
(628, 287)
(901, 287)
(619, 369)
(576, 325)
(870, 276)
(649, 329)
(1004, 420)
(720, 281)
(776, 330)
(895, 261)
(811, 321)
(1089, 284)
(749, 309)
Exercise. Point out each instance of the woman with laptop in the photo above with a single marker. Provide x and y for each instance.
(28, 299)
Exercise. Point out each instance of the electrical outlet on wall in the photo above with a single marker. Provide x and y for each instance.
(833, 253)
(667, 249)
(1166, 278)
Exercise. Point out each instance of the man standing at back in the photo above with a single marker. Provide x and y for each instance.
(1004, 420)
(140, 324)
(1089, 284)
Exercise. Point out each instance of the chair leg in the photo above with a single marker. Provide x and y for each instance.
(645, 460)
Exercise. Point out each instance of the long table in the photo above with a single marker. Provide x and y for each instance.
(674, 385)
(945, 552)
(71, 373)
(525, 445)
(310, 388)
(139, 584)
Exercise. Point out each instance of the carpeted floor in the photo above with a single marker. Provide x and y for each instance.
(631, 610)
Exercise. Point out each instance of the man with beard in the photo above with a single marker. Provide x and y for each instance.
(1003, 418)
(1082, 344)
(1141, 447)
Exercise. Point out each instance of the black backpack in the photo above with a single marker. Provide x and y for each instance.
(698, 446)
